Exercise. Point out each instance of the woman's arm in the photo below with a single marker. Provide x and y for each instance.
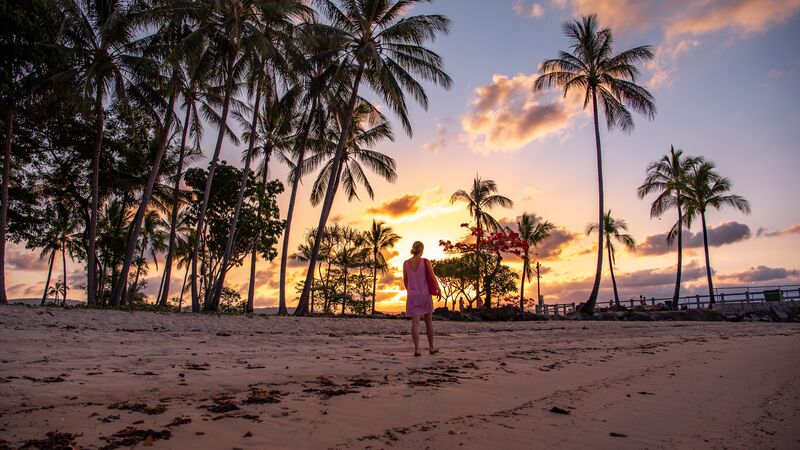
(405, 278)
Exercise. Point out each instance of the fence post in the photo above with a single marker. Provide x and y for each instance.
(722, 298)
(631, 303)
(573, 307)
(747, 298)
(653, 301)
(698, 300)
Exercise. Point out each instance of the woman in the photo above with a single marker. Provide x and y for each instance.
(420, 283)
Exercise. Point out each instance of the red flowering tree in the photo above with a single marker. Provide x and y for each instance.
(489, 249)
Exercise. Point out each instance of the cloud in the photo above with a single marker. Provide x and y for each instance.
(25, 260)
(529, 192)
(554, 244)
(760, 274)
(402, 206)
(665, 63)
(793, 229)
(506, 114)
(439, 141)
(740, 16)
(526, 10)
(723, 234)
(637, 15)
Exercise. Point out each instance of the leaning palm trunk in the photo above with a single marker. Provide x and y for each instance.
(613, 279)
(589, 306)
(677, 294)
(91, 291)
(525, 265)
(49, 273)
(290, 210)
(240, 197)
(374, 275)
(136, 226)
(708, 259)
(302, 306)
(207, 193)
(251, 289)
(4, 207)
(173, 228)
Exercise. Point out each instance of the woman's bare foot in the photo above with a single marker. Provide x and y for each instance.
(434, 351)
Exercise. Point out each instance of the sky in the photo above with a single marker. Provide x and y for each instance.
(726, 81)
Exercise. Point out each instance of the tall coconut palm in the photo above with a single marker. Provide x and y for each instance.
(266, 61)
(98, 49)
(314, 84)
(378, 238)
(593, 69)
(665, 178)
(613, 228)
(198, 97)
(369, 127)
(277, 132)
(533, 230)
(481, 198)
(380, 44)
(705, 188)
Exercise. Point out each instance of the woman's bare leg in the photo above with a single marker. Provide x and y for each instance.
(429, 329)
(415, 334)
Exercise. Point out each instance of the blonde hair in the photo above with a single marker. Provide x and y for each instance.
(417, 247)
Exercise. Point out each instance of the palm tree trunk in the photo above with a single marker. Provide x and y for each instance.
(4, 199)
(136, 226)
(183, 287)
(677, 294)
(211, 169)
(49, 273)
(613, 279)
(132, 289)
(344, 297)
(290, 210)
(708, 259)
(374, 275)
(522, 283)
(173, 228)
(589, 306)
(95, 192)
(239, 198)
(302, 306)
(251, 289)
(64, 269)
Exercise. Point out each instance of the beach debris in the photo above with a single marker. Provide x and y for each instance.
(557, 410)
(139, 407)
(54, 441)
(131, 436)
(248, 434)
(178, 421)
(615, 434)
(193, 366)
(260, 397)
(645, 393)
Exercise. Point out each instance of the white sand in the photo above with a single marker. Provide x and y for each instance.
(661, 384)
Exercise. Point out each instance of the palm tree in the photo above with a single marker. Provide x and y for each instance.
(266, 62)
(379, 237)
(351, 173)
(706, 188)
(480, 198)
(197, 96)
(596, 71)
(613, 228)
(532, 230)
(665, 178)
(99, 51)
(378, 44)
(153, 242)
(277, 131)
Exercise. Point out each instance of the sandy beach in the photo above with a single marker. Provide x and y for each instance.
(112, 379)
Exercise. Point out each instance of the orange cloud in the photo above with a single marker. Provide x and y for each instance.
(526, 10)
(405, 205)
(748, 16)
(506, 115)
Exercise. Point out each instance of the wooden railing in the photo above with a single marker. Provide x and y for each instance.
(724, 295)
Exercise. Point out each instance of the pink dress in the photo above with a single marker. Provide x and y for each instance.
(419, 301)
